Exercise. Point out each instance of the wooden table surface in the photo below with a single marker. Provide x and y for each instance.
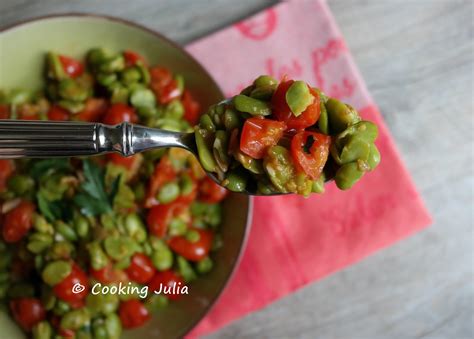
(417, 58)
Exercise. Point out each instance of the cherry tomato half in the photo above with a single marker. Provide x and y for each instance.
(4, 112)
(94, 110)
(6, 170)
(260, 134)
(166, 279)
(191, 108)
(160, 216)
(58, 113)
(310, 151)
(109, 274)
(132, 58)
(211, 192)
(27, 312)
(133, 313)
(163, 85)
(119, 113)
(193, 251)
(141, 269)
(18, 222)
(71, 66)
(282, 111)
(164, 172)
(64, 290)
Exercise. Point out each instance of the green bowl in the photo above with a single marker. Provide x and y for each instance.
(23, 47)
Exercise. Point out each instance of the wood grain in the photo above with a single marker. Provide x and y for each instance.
(417, 57)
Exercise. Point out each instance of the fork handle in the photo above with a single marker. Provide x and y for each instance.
(22, 138)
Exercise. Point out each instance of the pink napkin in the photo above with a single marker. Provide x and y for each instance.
(295, 241)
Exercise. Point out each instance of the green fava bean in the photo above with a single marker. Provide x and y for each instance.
(264, 81)
(98, 258)
(74, 320)
(347, 175)
(38, 242)
(102, 303)
(145, 75)
(186, 184)
(42, 330)
(135, 227)
(41, 225)
(355, 149)
(142, 98)
(66, 231)
(177, 227)
(298, 97)
(364, 130)
(168, 193)
(113, 64)
(56, 271)
(130, 75)
(250, 105)
(318, 185)
(231, 119)
(206, 122)
(205, 265)
(236, 180)
(220, 150)
(263, 93)
(119, 248)
(340, 115)
(205, 155)
(174, 110)
(61, 307)
(113, 326)
(249, 163)
(99, 331)
(61, 250)
(96, 56)
(106, 79)
(55, 67)
(81, 226)
(155, 303)
(374, 157)
(20, 184)
(71, 89)
(279, 167)
(119, 94)
(162, 258)
(323, 122)
(185, 269)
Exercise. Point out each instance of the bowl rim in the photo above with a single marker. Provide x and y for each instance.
(248, 222)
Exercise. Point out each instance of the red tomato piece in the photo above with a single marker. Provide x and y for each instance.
(192, 108)
(211, 192)
(166, 279)
(132, 58)
(94, 110)
(64, 290)
(141, 269)
(109, 274)
(164, 172)
(58, 113)
(310, 161)
(163, 85)
(193, 251)
(6, 170)
(119, 113)
(18, 222)
(133, 313)
(72, 67)
(160, 216)
(260, 134)
(282, 111)
(120, 160)
(27, 312)
(4, 112)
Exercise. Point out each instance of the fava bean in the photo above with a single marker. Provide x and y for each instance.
(265, 80)
(20, 184)
(185, 269)
(205, 265)
(98, 259)
(205, 154)
(236, 181)
(162, 258)
(252, 106)
(374, 157)
(113, 326)
(38, 242)
(135, 227)
(42, 330)
(56, 271)
(168, 193)
(347, 175)
(143, 98)
(340, 115)
(130, 75)
(76, 319)
(113, 64)
(298, 97)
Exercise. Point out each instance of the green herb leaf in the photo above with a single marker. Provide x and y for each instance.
(43, 167)
(94, 200)
(52, 210)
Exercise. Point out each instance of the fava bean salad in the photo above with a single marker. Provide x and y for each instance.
(67, 224)
(285, 137)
